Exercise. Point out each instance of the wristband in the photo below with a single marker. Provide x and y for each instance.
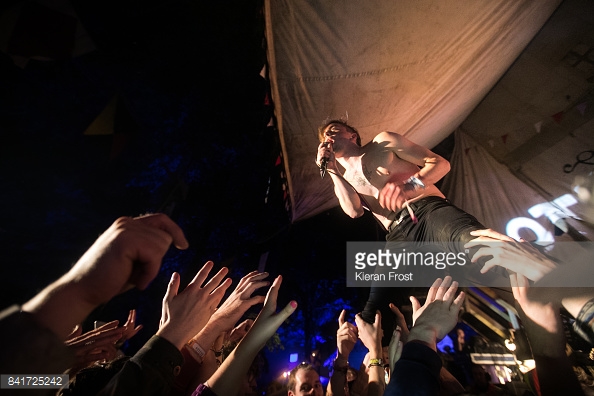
(375, 362)
(195, 347)
(415, 183)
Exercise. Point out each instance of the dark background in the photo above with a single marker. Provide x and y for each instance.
(191, 139)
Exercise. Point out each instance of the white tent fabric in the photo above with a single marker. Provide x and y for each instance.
(491, 192)
(413, 67)
(485, 188)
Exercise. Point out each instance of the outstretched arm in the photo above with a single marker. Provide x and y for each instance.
(227, 379)
(520, 257)
(223, 320)
(418, 370)
(371, 336)
(127, 255)
(346, 338)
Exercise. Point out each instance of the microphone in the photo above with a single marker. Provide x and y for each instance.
(324, 162)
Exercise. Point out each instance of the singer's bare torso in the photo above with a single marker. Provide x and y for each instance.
(370, 168)
(376, 167)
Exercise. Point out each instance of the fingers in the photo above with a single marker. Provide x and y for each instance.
(216, 280)
(387, 196)
(164, 223)
(378, 319)
(172, 288)
(400, 321)
(416, 305)
(251, 287)
(491, 234)
(270, 304)
(391, 197)
(202, 274)
(91, 341)
(442, 289)
(459, 300)
(77, 331)
(218, 293)
(450, 294)
(272, 295)
(286, 312)
(341, 318)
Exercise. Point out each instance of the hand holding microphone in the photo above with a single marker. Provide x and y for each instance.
(324, 151)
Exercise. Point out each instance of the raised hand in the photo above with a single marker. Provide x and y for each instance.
(371, 334)
(268, 321)
(240, 300)
(94, 345)
(438, 291)
(226, 380)
(400, 322)
(519, 257)
(186, 313)
(128, 254)
(440, 312)
(346, 336)
(129, 329)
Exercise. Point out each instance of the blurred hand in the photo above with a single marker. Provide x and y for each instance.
(129, 329)
(440, 312)
(94, 345)
(392, 196)
(437, 291)
(520, 257)
(127, 254)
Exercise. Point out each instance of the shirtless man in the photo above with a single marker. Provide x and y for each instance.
(393, 178)
(388, 171)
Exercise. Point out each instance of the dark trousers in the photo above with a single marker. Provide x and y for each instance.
(440, 223)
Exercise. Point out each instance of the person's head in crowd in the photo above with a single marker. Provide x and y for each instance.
(304, 380)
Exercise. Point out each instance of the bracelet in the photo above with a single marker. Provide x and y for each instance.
(375, 362)
(194, 346)
(415, 183)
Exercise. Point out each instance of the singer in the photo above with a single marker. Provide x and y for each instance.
(394, 179)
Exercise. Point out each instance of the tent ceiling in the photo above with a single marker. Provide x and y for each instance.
(423, 69)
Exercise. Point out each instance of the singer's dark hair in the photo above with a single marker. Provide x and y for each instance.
(322, 129)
